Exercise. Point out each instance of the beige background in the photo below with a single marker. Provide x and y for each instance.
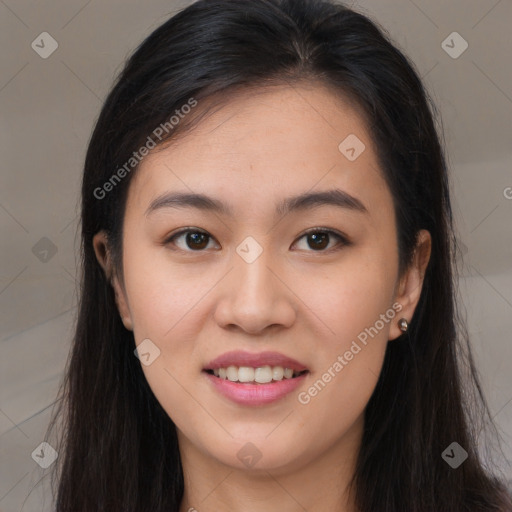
(48, 107)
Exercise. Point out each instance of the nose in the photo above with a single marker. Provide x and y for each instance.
(255, 297)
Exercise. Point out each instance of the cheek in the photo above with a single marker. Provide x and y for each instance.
(355, 308)
(350, 297)
(160, 292)
(164, 300)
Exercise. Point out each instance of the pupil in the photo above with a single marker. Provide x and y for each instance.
(319, 237)
(195, 238)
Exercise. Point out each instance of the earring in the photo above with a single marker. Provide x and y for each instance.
(403, 325)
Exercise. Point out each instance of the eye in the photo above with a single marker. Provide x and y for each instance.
(193, 239)
(196, 240)
(318, 239)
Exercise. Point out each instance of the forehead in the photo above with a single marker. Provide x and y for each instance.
(261, 145)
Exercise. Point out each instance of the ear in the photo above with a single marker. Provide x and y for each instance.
(411, 283)
(101, 249)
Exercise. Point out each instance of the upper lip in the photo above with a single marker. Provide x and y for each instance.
(240, 358)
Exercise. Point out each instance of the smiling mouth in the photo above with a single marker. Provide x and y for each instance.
(260, 375)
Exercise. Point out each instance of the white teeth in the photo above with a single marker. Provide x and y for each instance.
(260, 375)
(278, 373)
(232, 373)
(245, 374)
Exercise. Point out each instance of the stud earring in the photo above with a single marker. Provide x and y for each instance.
(403, 325)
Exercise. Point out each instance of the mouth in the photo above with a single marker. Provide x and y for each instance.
(250, 379)
(259, 375)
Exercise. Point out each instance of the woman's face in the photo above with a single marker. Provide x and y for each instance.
(249, 279)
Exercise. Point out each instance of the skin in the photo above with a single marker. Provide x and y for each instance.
(309, 304)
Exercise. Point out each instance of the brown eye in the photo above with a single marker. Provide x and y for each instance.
(196, 240)
(191, 240)
(320, 239)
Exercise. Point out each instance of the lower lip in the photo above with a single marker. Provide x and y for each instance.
(255, 394)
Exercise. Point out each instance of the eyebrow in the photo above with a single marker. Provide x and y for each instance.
(305, 201)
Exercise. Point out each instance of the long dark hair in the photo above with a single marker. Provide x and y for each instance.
(118, 447)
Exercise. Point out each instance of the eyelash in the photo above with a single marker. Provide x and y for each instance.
(341, 238)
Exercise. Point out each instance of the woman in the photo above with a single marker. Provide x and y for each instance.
(267, 316)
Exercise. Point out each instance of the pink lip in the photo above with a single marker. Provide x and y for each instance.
(240, 358)
(255, 394)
